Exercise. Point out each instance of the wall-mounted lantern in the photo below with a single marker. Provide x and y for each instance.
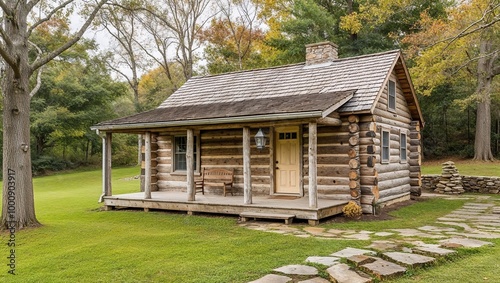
(260, 140)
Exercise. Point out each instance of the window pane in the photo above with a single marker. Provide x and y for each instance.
(385, 146)
(180, 153)
(403, 147)
(392, 95)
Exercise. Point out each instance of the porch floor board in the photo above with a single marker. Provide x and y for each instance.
(233, 205)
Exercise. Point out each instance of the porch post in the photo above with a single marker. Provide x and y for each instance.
(106, 164)
(147, 165)
(247, 172)
(190, 165)
(313, 186)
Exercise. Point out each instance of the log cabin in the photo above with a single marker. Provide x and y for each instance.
(334, 130)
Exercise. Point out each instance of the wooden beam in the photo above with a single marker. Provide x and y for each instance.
(329, 121)
(313, 170)
(107, 164)
(272, 159)
(247, 172)
(147, 166)
(190, 165)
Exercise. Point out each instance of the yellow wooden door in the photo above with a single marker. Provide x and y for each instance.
(287, 160)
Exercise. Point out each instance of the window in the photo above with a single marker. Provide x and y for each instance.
(402, 148)
(391, 104)
(180, 148)
(385, 147)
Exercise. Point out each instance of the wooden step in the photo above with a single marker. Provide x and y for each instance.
(287, 217)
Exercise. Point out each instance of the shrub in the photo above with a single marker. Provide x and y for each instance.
(352, 210)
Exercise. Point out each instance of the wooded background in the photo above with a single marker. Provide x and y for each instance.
(145, 50)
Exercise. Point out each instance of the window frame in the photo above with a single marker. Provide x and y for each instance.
(196, 154)
(384, 147)
(403, 148)
(391, 96)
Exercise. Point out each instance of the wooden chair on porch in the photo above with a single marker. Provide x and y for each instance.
(215, 178)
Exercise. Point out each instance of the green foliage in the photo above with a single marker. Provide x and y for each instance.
(76, 93)
(45, 164)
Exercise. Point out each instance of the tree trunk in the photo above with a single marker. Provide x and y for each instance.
(482, 144)
(18, 207)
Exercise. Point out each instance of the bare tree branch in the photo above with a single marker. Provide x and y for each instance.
(42, 20)
(32, 4)
(5, 9)
(470, 30)
(39, 72)
(42, 61)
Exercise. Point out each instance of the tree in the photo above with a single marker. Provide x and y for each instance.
(18, 209)
(462, 48)
(234, 38)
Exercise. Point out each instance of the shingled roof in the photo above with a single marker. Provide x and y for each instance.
(347, 85)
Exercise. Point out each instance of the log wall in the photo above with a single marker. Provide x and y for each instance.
(332, 161)
(382, 182)
(218, 149)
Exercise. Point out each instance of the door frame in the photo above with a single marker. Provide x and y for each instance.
(274, 141)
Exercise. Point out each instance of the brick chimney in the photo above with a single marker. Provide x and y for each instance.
(323, 52)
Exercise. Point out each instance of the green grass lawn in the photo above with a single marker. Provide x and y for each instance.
(465, 167)
(80, 243)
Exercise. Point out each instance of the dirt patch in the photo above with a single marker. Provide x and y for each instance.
(382, 215)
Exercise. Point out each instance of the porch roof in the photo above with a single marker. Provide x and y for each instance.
(317, 105)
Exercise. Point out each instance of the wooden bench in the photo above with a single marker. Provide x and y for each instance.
(287, 217)
(215, 178)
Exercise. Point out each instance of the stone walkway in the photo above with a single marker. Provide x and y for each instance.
(470, 227)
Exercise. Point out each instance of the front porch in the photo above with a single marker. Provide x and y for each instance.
(232, 205)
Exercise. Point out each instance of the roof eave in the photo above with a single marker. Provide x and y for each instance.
(209, 121)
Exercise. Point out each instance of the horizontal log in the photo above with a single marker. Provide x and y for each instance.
(334, 190)
(402, 196)
(415, 148)
(353, 128)
(416, 182)
(353, 184)
(390, 184)
(394, 191)
(383, 121)
(384, 176)
(370, 191)
(368, 171)
(415, 162)
(367, 208)
(416, 190)
(367, 199)
(352, 153)
(353, 119)
(368, 126)
(354, 164)
(329, 121)
(369, 180)
(354, 140)
(354, 175)
(391, 167)
(415, 174)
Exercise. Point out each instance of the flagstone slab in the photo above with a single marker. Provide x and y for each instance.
(341, 273)
(358, 260)
(297, 269)
(273, 278)
(429, 228)
(357, 236)
(383, 246)
(464, 242)
(348, 252)
(383, 234)
(433, 251)
(383, 269)
(315, 280)
(407, 259)
(324, 260)
(483, 235)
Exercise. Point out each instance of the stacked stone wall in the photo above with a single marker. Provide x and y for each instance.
(471, 184)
